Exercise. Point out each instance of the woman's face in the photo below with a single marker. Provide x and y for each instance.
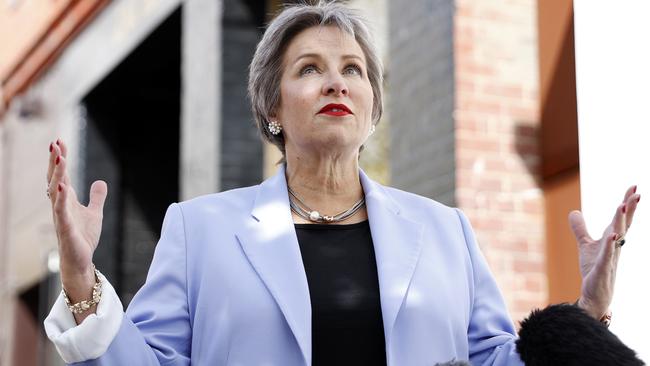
(326, 97)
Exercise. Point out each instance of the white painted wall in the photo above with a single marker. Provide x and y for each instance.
(613, 81)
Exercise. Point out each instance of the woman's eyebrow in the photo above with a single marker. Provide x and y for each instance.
(306, 55)
(318, 56)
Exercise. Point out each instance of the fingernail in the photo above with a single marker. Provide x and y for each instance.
(57, 141)
(623, 208)
(58, 158)
(634, 189)
(51, 147)
(59, 187)
(638, 199)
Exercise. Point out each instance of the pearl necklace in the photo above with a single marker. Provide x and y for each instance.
(315, 216)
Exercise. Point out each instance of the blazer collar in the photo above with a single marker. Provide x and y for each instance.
(269, 241)
(397, 241)
(271, 245)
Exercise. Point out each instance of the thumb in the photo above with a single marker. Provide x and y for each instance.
(578, 226)
(98, 192)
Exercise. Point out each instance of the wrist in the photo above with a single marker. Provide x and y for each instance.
(74, 272)
(603, 316)
(78, 284)
(83, 306)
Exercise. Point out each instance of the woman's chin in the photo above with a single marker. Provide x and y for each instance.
(333, 143)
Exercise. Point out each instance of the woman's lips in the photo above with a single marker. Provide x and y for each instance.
(336, 113)
(336, 110)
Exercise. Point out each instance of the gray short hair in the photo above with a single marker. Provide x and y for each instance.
(266, 66)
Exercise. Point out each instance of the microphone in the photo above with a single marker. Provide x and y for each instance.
(566, 335)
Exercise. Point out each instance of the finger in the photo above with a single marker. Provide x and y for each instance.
(578, 226)
(64, 148)
(61, 149)
(50, 167)
(607, 254)
(618, 224)
(57, 176)
(56, 151)
(630, 208)
(61, 213)
(64, 152)
(629, 192)
(98, 192)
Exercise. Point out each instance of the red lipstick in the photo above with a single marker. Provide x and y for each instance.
(337, 110)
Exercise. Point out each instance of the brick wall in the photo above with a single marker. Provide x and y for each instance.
(497, 148)
(463, 85)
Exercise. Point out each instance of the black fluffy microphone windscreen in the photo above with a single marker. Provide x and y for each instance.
(566, 335)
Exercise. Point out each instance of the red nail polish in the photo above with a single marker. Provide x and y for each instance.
(623, 208)
(58, 158)
(51, 147)
(634, 189)
(57, 141)
(59, 187)
(638, 199)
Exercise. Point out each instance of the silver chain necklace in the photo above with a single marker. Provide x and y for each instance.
(302, 210)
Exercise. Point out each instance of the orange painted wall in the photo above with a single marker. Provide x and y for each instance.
(562, 195)
(33, 34)
(21, 26)
(560, 168)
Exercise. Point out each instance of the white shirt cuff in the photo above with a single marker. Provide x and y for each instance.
(91, 338)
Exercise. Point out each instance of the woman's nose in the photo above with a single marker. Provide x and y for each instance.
(336, 86)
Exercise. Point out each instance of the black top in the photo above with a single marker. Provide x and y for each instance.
(347, 326)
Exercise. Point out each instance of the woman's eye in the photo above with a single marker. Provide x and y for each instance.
(353, 70)
(309, 69)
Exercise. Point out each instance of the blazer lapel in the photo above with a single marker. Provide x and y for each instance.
(270, 243)
(397, 243)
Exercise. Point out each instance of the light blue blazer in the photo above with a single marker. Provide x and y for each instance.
(227, 286)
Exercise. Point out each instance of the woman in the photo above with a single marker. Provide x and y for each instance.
(316, 265)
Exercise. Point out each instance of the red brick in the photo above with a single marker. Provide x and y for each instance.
(526, 114)
(473, 68)
(529, 265)
(533, 206)
(495, 15)
(488, 223)
(465, 86)
(508, 91)
(478, 144)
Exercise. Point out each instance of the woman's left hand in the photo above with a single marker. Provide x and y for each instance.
(599, 258)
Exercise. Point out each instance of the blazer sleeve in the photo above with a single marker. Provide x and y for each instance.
(491, 334)
(156, 328)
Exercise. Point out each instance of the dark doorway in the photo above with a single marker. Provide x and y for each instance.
(131, 140)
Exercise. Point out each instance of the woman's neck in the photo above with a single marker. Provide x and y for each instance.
(328, 185)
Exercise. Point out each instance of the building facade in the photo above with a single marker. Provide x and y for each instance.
(151, 97)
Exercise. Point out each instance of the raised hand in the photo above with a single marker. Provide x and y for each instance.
(78, 227)
(599, 258)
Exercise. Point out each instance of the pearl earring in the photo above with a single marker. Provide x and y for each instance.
(275, 128)
(372, 129)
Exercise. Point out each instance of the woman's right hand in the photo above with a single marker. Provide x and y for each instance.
(78, 227)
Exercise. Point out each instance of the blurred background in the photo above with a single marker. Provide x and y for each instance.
(150, 95)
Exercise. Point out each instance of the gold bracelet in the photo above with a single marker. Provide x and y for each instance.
(84, 305)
